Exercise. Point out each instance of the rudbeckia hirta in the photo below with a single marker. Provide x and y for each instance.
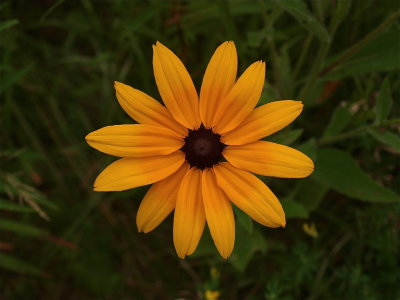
(199, 151)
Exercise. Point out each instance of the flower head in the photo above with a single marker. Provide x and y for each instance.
(199, 152)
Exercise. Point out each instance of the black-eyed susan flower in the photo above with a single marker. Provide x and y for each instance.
(199, 152)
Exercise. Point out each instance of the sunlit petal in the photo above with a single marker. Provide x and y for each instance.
(189, 216)
(176, 87)
(263, 121)
(159, 201)
(241, 100)
(144, 109)
(134, 140)
(218, 80)
(219, 214)
(270, 159)
(250, 194)
(128, 173)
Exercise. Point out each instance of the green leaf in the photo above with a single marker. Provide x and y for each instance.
(294, 209)
(21, 228)
(340, 119)
(298, 9)
(285, 137)
(255, 38)
(310, 193)
(383, 103)
(243, 219)
(11, 206)
(14, 264)
(140, 21)
(14, 77)
(382, 54)
(342, 8)
(386, 137)
(245, 246)
(309, 148)
(7, 24)
(339, 171)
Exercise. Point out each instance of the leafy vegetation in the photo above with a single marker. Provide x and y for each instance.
(61, 240)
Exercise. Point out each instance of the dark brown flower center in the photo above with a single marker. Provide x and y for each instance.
(203, 148)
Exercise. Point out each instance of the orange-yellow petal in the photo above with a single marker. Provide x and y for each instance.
(218, 80)
(128, 173)
(189, 217)
(134, 140)
(270, 159)
(250, 194)
(159, 201)
(263, 121)
(144, 109)
(176, 87)
(241, 99)
(219, 214)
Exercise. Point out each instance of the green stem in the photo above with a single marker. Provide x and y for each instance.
(361, 43)
(311, 81)
(304, 51)
(268, 23)
(352, 133)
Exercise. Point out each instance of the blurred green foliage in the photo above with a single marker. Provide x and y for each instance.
(61, 240)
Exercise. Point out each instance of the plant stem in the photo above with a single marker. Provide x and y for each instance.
(304, 51)
(361, 43)
(352, 133)
(269, 24)
(311, 81)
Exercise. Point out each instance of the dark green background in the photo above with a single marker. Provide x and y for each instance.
(61, 240)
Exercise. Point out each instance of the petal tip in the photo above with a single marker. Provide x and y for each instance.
(311, 168)
(159, 45)
(225, 254)
(87, 137)
(229, 43)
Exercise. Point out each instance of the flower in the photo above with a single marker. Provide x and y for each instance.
(310, 229)
(199, 152)
(212, 295)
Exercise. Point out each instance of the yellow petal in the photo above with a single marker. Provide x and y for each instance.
(250, 194)
(176, 87)
(241, 99)
(144, 109)
(270, 159)
(128, 173)
(189, 217)
(263, 121)
(219, 214)
(134, 140)
(218, 80)
(159, 201)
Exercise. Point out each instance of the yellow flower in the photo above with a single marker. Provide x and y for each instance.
(212, 295)
(198, 151)
(310, 229)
